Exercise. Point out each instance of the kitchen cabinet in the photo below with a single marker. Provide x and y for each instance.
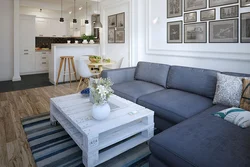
(27, 44)
(50, 28)
(42, 61)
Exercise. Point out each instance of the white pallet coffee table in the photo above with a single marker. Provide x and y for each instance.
(127, 126)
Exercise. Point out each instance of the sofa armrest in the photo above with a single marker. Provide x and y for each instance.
(120, 75)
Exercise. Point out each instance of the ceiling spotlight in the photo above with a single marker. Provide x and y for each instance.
(70, 12)
(80, 8)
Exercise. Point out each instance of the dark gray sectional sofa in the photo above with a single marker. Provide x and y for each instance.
(181, 98)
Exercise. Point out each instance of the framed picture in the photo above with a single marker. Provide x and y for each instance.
(195, 33)
(214, 3)
(206, 15)
(174, 32)
(223, 31)
(119, 36)
(229, 12)
(190, 17)
(121, 20)
(245, 27)
(112, 22)
(111, 35)
(190, 5)
(244, 3)
(174, 8)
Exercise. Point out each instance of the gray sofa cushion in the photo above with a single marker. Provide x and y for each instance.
(175, 105)
(194, 80)
(134, 89)
(152, 72)
(203, 141)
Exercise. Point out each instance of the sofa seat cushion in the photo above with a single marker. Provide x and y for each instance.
(134, 89)
(203, 141)
(175, 105)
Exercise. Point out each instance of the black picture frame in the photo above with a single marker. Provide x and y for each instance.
(115, 18)
(120, 30)
(199, 8)
(181, 30)
(174, 15)
(223, 4)
(214, 18)
(237, 30)
(192, 21)
(237, 13)
(205, 35)
(243, 6)
(124, 21)
(241, 28)
(110, 40)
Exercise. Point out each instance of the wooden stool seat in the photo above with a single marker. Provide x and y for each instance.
(64, 60)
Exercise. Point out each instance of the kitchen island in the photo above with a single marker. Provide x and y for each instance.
(76, 50)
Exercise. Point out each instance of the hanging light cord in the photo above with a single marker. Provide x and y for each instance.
(61, 8)
(74, 8)
(86, 9)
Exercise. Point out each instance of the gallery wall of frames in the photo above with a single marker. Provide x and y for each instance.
(232, 26)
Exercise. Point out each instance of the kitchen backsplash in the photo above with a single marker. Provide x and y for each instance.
(45, 42)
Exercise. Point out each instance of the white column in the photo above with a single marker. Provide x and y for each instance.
(16, 76)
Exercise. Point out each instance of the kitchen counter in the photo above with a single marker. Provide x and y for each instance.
(43, 50)
(76, 50)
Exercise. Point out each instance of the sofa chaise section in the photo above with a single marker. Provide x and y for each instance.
(202, 141)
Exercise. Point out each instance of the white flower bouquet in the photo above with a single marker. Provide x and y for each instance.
(101, 90)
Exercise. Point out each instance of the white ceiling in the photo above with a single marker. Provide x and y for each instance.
(68, 5)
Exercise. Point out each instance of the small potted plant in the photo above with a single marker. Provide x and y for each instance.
(85, 39)
(100, 92)
(91, 39)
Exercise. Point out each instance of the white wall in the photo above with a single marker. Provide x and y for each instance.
(6, 39)
(117, 50)
(152, 45)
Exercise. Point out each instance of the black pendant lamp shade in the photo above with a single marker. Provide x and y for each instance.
(74, 20)
(86, 21)
(61, 19)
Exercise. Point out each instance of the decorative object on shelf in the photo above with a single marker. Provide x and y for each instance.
(85, 39)
(215, 3)
(190, 17)
(120, 20)
(195, 33)
(76, 42)
(86, 21)
(190, 5)
(119, 36)
(229, 12)
(85, 92)
(223, 31)
(244, 3)
(68, 41)
(111, 35)
(207, 15)
(174, 8)
(95, 59)
(174, 31)
(61, 19)
(112, 21)
(74, 20)
(91, 39)
(245, 27)
(101, 91)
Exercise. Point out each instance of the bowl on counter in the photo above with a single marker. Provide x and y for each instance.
(95, 59)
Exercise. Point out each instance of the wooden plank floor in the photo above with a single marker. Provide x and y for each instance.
(14, 148)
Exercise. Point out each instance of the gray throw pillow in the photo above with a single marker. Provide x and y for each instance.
(228, 90)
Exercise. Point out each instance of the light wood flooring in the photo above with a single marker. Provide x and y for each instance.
(14, 148)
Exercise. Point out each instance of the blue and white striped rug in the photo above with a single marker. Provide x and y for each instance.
(51, 146)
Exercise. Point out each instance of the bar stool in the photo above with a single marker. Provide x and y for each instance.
(64, 60)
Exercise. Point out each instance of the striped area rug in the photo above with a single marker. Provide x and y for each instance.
(51, 146)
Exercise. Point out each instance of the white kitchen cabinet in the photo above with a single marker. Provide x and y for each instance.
(42, 61)
(50, 28)
(27, 44)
